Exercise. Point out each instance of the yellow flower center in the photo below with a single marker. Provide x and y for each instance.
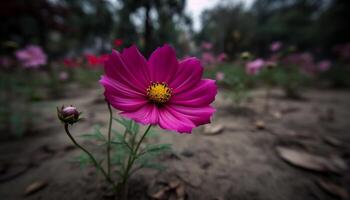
(159, 93)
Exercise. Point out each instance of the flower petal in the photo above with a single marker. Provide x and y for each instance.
(117, 69)
(188, 75)
(163, 64)
(147, 114)
(174, 121)
(121, 96)
(201, 95)
(198, 115)
(136, 64)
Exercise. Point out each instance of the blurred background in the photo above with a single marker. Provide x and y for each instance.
(282, 68)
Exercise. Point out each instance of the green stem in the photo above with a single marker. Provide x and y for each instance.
(132, 159)
(109, 140)
(97, 165)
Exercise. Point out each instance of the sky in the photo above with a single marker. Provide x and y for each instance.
(196, 7)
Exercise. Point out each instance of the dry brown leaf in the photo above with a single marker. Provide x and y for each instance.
(334, 189)
(35, 187)
(332, 141)
(161, 194)
(260, 125)
(310, 161)
(180, 192)
(174, 184)
(277, 115)
(213, 129)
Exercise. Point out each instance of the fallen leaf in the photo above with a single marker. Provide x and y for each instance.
(332, 141)
(260, 125)
(180, 192)
(334, 189)
(277, 115)
(35, 187)
(211, 129)
(174, 184)
(161, 194)
(310, 161)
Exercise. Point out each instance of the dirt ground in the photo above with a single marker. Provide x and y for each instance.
(241, 162)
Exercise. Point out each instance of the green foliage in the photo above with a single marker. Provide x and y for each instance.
(236, 81)
(95, 135)
(291, 79)
(83, 160)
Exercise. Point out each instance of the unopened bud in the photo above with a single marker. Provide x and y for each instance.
(68, 115)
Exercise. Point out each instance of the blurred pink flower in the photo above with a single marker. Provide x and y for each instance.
(220, 76)
(63, 76)
(221, 57)
(31, 56)
(324, 65)
(303, 60)
(159, 91)
(253, 67)
(208, 59)
(207, 45)
(275, 46)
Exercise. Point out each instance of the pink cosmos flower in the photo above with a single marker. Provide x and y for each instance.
(219, 76)
(207, 45)
(253, 67)
(221, 57)
(324, 65)
(208, 59)
(275, 46)
(303, 60)
(31, 56)
(96, 60)
(161, 91)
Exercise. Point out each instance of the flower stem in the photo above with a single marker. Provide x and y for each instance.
(97, 165)
(109, 140)
(131, 161)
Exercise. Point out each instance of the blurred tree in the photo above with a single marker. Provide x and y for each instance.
(290, 21)
(56, 25)
(159, 22)
(334, 18)
(229, 27)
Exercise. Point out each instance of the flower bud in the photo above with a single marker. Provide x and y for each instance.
(68, 115)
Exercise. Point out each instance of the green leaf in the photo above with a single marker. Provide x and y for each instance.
(96, 135)
(152, 165)
(155, 148)
(123, 122)
(83, 159)
(152, 133)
